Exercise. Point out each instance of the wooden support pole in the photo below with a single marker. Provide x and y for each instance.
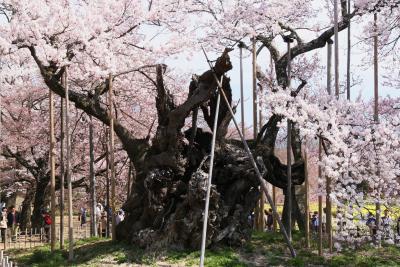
(112, 167)
(348, 52)
(62, 168)
(328, 178)
(336, 35)
(376, 120)
(307, 201)
(274, 222)
(68, 172)
(258, 213)
(52, 173)
(93, 230)
(288, 40)
(319, 201)
(241, 46)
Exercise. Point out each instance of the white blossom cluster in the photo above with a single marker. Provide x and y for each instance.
(361, 157)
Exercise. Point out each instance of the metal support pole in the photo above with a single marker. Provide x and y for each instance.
(252, 161)
(205, 218)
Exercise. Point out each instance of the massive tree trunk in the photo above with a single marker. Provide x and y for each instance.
(167, 196)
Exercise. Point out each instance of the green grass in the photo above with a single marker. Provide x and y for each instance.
(264, 249)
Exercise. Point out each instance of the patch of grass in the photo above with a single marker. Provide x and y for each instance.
(217, 257)
(264, 249)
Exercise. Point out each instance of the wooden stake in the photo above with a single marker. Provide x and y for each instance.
(110, 102)
(68, 172)
(52, 172)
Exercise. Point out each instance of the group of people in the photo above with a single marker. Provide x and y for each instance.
(104, 216)
(9, 219)
(386, 224)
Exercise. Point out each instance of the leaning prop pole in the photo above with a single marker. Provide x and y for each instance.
(251, 158)
(205, 220)
(52, 173)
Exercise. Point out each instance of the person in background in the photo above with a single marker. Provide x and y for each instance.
(13, 222)
(315, 222)
(3, 223)
(386, 222)
(120, 217)
(47, 221)
(323, 220)
(371, 223)
(82, 216)
(270, 220)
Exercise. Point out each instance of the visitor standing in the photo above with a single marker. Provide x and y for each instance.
(13, 222)
(386, 222)
(82, 216)
(3, 224)
(270, 220)
(47, 221)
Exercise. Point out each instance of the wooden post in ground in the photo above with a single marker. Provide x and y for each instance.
(376, 120)
(62, 169)
(112, 167)
(68, 172)
(319, 200)
(62, 172)
(93, 230)
(306, 182)
(288, 40)
(258, 213)
(274, 222)
(52, 173)
(328, 179)
(241, 46)
(348, 52)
